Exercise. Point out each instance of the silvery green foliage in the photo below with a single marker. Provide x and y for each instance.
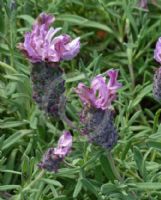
(48, 87)
(157, 84)
(99, 127)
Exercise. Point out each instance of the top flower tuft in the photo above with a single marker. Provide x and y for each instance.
(100, 94)
(41, 44)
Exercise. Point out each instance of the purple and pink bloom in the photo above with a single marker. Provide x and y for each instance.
(54, 156)
(100, 94)
(45, 50)
(41, 44)
(97, 116)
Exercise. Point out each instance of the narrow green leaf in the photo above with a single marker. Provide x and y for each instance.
(9, 187)
(139, 162)
(108, 188)
(10, 171)
(62, 197)
(154, 144)
(75, 19)
(27, 18)
(14, 138)
(106, 166)
(145, 91)
(146, 186)
(12, 124)
(77, 189)
(89, 186)
(52, 182)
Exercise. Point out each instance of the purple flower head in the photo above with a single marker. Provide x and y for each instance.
(41, 44)
(157, 51)
(157, 85)
(48, 88)
(100, 94)
(54, 156)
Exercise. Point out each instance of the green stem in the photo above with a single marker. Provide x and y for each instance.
(113, 167)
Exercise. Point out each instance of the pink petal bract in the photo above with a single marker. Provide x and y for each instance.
(64, 144)
(101, 94)
(41, 44)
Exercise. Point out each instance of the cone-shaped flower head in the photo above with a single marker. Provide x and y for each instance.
(54, 156)
(100, 94)
(99, 127)
(96, 116)
(48, 87)
(41, 44)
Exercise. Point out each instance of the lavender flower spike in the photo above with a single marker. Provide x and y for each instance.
(45, 51)
(96, 117)
(100, 94)
(54, 156)
(41, 44)
(157, 85)
(157, 51)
